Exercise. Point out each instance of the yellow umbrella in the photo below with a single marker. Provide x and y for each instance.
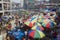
(35, 20)
(36, 34)
(34, 27)
(41, 34)
(46, 21)
(27, 23)
(37, 26)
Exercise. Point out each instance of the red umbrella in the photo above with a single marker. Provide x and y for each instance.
(36, 34)
(37, 26)
(31, 24)
(48, 25)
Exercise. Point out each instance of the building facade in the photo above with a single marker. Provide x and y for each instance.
(54, 1)
(29, 4)
(25, 4)
(5, 6)
(16, 6)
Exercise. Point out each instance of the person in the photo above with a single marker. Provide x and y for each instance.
(54, 35)
(11, 37)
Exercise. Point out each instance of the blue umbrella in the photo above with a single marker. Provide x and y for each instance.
(18, 34)
(52, 24)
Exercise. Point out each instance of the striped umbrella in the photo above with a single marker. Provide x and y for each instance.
(29, 24)
(37, 26)
(36, 34)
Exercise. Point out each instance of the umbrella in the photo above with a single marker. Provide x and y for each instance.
(48, 25)
(52, 24)
(31, 25)
(46, 21)
(28, 23)
(43, 24)
(18, 34)
(36, 34)
(40, 20)
(33, 20)
(37, 27)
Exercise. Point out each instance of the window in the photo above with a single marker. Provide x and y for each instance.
(1, 14)
(0, 6)
(7, 13)
(8, 6)
(5, 6)
(6, 0)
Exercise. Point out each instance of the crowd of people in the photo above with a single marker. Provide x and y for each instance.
(15, 28)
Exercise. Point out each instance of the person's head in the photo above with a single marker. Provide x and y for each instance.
(9, 23)
(44, 14)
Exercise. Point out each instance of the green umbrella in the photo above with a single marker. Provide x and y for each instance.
(36, 34)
